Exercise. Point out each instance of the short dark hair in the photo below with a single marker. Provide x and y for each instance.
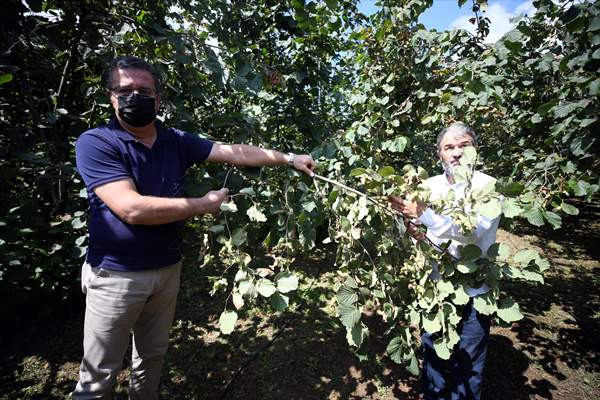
(457, 127)
(131, 62)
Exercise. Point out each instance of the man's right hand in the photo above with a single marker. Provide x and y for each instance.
(413, 231)
(212, 201)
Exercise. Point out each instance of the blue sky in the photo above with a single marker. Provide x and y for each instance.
(445, 14)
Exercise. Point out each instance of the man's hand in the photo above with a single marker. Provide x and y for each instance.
(212, 201)
(409, 209)
(305, 163)
(413, 231)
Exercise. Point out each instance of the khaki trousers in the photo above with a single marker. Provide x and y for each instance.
(118, 303)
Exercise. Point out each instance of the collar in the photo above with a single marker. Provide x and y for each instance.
(162, 134)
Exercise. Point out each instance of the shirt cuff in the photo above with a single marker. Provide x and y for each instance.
(428, 218)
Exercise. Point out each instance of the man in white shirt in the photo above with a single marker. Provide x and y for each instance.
(459, 377)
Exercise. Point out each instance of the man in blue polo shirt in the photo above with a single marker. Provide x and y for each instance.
(133, 169)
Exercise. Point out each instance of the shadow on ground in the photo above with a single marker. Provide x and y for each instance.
(309, 360)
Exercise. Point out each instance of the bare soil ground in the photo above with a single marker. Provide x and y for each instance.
(553, 353)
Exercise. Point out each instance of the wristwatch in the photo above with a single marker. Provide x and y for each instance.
(291, 158)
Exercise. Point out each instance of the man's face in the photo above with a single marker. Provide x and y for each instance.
(451, 148)
(126, 81)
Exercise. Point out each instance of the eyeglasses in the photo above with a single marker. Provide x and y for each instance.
(127, 91)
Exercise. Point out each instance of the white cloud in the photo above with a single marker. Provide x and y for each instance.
(499, 19)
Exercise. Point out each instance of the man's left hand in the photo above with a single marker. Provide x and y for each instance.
(305, 163)
(410, 209)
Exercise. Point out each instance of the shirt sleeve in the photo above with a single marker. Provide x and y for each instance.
(197, 149)
(443, 227)
(98, 161)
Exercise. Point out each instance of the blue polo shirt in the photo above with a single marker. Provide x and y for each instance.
(109, 153)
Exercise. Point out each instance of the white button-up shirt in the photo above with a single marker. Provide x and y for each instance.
(441, 228)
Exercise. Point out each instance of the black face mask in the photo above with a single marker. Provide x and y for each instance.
(136, 109)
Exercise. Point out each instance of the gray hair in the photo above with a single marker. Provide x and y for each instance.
(131, 62)
(459, 128)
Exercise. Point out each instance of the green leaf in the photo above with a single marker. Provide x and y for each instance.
(396, 145)
(553, 218)
(362, 130)
(227, 321)
(216, 228)
(357, 98)
(382, 100)
(450, 314)
(569, 209)
(228, 207)
(534, 216)
(594, 24)
(279, 301)
(265, 287)
(5, 78)
(461, 173)
(445, 288)
(240, 275)
(485, 304)
(511, 208)
(79, 251)
(255, 214)
(594, 88)
(470, 252)
(356, 335)
(509, 188)
(247, 289)
(546, 107)
(309, 206)
(475, 86)
(77, 223)
(351, 283)
(346, 295)
(532, 276)
(238, 300)
(248, 191)
(239, 236)
(332, 4)
(460, 296)
(525, 256)
(358, 172)
(509, 311)
(563, 110)
(490, 209)
(441, 349)
(388, 88)
(286, 282)
(580, 145)
(452, 336)
(349, 315)
(386, 171)
(513, 40)
(431, 323)
(394, 349)
(499, 251)
(467, 267)
(469, 156)
(580, 188)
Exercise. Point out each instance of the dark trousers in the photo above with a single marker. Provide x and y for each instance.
(459, 377)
